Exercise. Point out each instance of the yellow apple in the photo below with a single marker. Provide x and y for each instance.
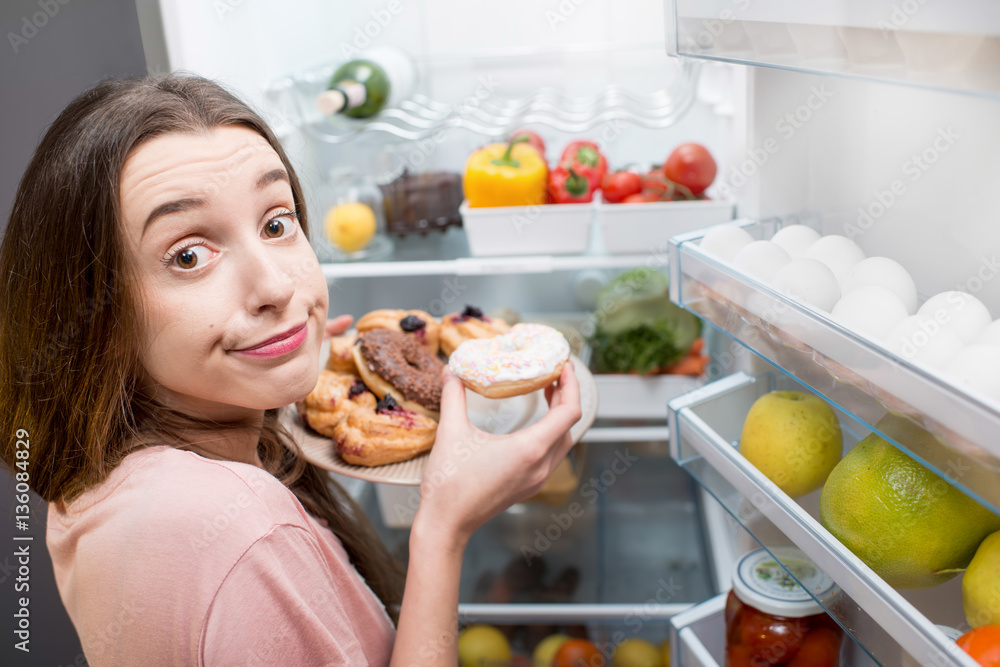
(794, 439)
(546, 650)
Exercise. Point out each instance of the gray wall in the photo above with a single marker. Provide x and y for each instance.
(51, 50)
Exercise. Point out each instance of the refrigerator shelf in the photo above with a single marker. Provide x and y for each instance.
(706, 423)
(428, 112)
(953, 47)
(697, 635)
(950, 430)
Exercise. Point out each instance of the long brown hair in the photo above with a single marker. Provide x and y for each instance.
(70, 371)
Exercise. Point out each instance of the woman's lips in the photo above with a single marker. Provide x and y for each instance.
(281, 344)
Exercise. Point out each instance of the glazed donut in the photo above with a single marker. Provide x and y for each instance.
(341, 355)
(416, 323)
(394, 363)
(470, 323)
(527, 358)
(384, 434)
(333, 397)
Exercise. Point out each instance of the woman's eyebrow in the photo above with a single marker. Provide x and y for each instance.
(171, 207)
(269, 177)
(264, 180)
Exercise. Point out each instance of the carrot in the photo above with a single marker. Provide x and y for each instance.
(689, 365)
(697, 347)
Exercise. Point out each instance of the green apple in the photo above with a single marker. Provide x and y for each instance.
(794, 439)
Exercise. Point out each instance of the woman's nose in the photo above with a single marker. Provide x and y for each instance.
(271, 286)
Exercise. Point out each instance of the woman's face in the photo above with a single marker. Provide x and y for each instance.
(223, 267)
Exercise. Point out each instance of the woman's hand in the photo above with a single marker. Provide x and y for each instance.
(471, 475)
(338, 325)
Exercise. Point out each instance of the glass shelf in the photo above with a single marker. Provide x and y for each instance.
(430, 111)
(951, 46)
(949, 429)
(448, 254)
(704, 427)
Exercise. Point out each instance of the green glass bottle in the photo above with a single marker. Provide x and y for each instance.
(361, 88)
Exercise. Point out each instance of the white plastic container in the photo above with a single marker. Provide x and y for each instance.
(550, 229)
(644, 227)
(623, 396)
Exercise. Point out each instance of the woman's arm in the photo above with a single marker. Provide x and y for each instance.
(471, 476)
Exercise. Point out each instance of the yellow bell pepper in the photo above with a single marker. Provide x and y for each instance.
(511, 174)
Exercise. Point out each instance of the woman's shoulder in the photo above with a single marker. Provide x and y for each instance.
(178, 493)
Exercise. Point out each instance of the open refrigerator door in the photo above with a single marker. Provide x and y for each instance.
(871, 121)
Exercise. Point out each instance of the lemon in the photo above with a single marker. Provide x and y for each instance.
(636, 653)
(665, 650)
(350, 226)
(480, 645)
(546, 650)
(981, 584)
(906, 523)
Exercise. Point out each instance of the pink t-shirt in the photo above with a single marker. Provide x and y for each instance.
(183, 560)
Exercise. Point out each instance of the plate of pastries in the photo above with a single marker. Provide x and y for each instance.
(374, 411)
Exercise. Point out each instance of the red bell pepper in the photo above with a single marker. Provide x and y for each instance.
(534, 140)
(568, 187)
(586, 159)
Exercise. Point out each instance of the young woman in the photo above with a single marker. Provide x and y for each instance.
(156, 247)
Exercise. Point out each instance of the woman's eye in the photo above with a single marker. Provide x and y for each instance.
(188, 257)
(277, 227)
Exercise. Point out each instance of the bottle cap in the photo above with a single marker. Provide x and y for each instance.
(760, 581)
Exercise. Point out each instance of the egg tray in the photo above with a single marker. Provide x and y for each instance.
(957, 428)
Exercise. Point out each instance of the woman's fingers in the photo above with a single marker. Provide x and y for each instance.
(452, 398)
(338, 325)
(564, 410)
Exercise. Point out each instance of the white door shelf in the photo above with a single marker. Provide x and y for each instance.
(705, 424)
(945, 46)
(948, 428)
(697, 635)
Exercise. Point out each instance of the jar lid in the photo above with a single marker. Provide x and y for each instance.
(760, 581)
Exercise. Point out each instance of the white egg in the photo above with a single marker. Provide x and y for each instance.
(924, 342)
(990, 335)
(761, 260)
(887, 273)
(976, 367)
(810, 281)
(837, 252)
(871, 311)
(724, 241)
(961, 312)
(796, 239)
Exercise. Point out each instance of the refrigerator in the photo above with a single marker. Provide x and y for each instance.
(870, 120)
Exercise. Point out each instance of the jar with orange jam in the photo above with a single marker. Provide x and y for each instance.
(772, 620)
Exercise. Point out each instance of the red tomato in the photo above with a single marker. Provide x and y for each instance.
(983, 644)
(578, 653)
(533, 140)
(820, 648)
(692, 166)
(637, 198)
(772, 640)
(618, 185)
